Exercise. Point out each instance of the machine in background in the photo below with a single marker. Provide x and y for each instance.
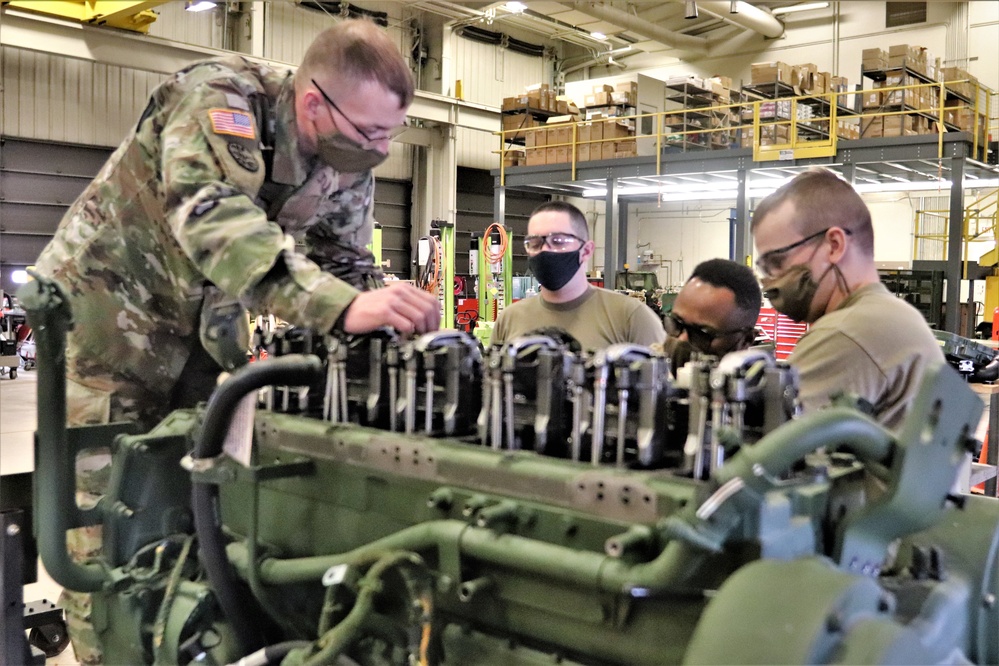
(402, 501)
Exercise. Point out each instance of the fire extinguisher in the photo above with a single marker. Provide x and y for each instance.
(995, 324)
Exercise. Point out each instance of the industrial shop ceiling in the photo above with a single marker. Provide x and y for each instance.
(678, 28)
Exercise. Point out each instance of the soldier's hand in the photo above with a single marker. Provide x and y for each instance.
(399, 305)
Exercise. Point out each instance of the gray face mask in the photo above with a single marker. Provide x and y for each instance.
(346, 155)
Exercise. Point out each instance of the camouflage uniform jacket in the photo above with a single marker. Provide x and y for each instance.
(208, 191)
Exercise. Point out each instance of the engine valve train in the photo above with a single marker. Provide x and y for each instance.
(377, 500)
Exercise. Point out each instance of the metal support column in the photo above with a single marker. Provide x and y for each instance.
(499, 205)
(611, 235)
(741, 242)
(955, 243)
(622, 236)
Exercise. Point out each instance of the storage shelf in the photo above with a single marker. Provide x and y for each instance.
(883, 74)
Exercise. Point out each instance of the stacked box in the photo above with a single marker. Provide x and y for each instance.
(514, 157)
(772, 135)
(535, 156)
(770, 72)
(518, 121)
(910, 57)
(959, 81)
(847, 129)
(871, 127)
(801, 76)
(874, 60)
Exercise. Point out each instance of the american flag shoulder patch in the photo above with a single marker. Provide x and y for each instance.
(233, 123)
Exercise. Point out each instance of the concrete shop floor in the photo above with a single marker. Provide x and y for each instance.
(18, 410)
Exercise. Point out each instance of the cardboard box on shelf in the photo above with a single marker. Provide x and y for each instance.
(802, 75)
(551, 155)
(909, 97)
(839, 84)
(871, 127)
(536, 156)
(617, 130)
(897, 125)
(608, 150)
(627, 87)
(874, 60)
(774, 135)
(536, 137)
(871, 99)
(513, 158)
(622, 98)
(517, 121)
(583, 153)
(562, 154)
(603, 88)
(821, 82)
(769, 72)
(724, 81)
(690, 83)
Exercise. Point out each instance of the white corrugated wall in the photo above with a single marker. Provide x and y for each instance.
(53, 98)
(488, 73)
(178, 25)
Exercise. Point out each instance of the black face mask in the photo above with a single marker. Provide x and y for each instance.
(554, 269)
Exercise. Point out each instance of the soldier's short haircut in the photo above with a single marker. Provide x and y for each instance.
(576, 217)
(737, 278)
(821, 200)
(357, 50)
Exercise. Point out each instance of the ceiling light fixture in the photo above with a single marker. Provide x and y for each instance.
(804, 7)
(733, 8)
(198, 5)
(691, 9)
(598, 35)
(515, 7)
(19, 277)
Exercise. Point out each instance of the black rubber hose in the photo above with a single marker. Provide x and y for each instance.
(292, 370)
(988, 373)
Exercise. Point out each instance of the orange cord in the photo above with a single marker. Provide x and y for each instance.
(495, 257)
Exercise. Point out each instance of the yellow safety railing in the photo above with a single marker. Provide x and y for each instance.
(785, 135)
(981, 222)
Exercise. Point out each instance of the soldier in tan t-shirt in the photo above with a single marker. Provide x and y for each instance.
(815, 249)
(558, 247)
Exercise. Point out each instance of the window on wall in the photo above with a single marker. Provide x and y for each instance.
(904, 13)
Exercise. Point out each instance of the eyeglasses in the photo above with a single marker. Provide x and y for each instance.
(369, 140)
(557, 242)
(700, 337)
(772, 262)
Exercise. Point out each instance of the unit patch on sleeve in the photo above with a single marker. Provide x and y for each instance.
(234, 123)
(243, 157)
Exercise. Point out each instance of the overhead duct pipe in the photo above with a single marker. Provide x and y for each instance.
(747, 16)
(641, 27)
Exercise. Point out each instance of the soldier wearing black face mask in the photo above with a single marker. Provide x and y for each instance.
(815, 251)
(558, 249)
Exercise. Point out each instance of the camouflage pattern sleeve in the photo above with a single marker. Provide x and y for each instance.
(212, 170)
(338, 242)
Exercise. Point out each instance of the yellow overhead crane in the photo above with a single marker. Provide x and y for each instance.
(131, 15)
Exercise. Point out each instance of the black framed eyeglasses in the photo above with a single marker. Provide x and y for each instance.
(556, 242)
(391, 134)
(700, 337)
(773, 261)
